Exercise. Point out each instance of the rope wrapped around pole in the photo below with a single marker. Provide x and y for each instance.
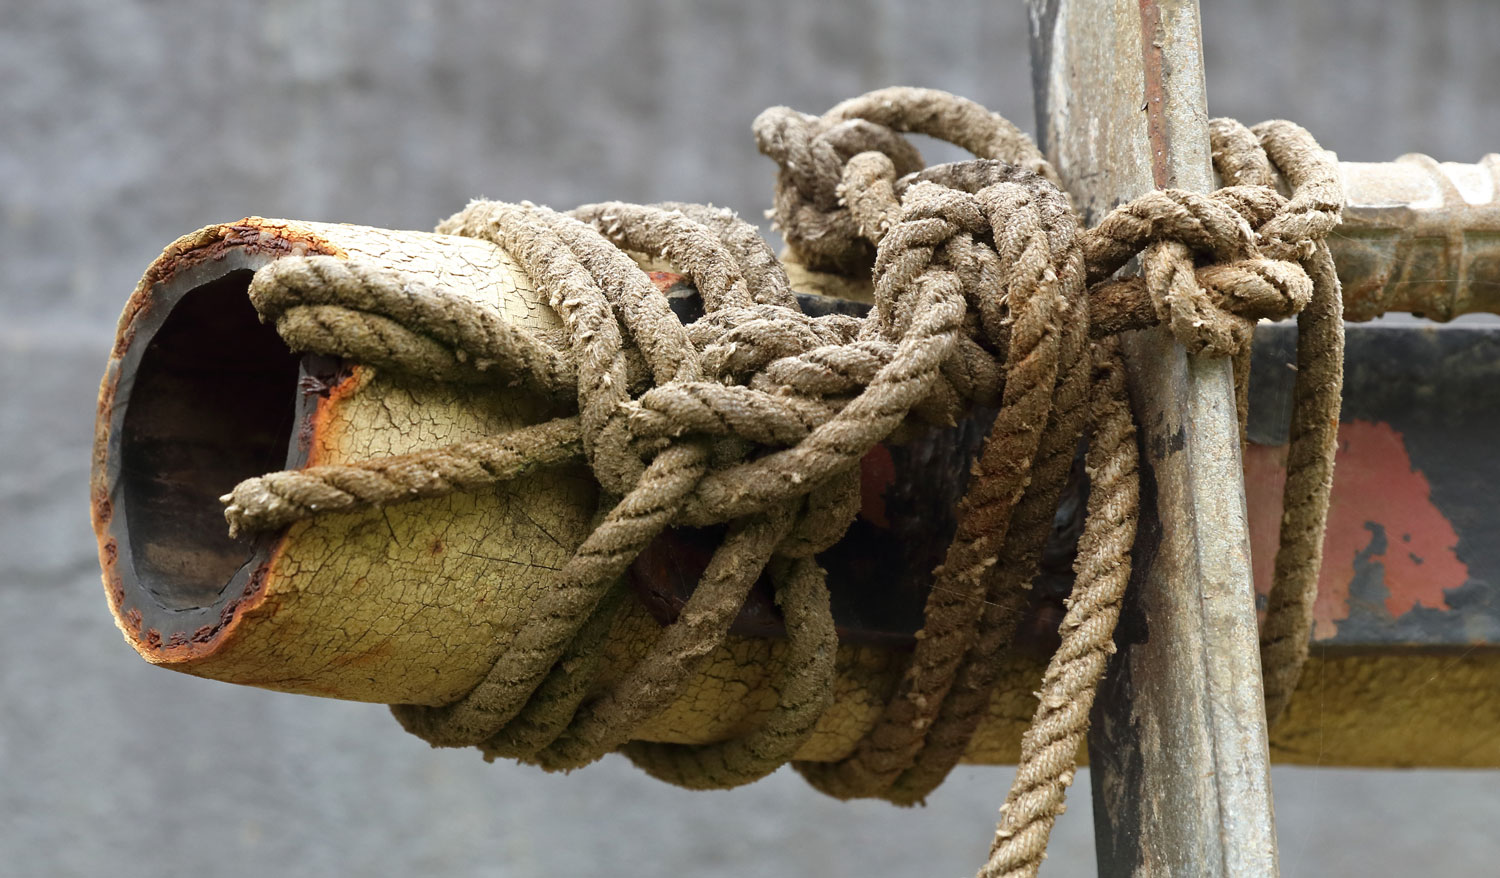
(755, 417)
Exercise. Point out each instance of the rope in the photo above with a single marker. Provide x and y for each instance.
(1049, 748)
(755, 417)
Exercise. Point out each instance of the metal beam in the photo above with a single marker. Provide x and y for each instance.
(1180, 763)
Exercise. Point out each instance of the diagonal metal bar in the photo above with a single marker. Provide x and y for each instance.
(1178, 745)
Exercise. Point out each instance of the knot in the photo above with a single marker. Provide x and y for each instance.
(755, 418)
(1210, 310)
(1213, 265)
(813, 152)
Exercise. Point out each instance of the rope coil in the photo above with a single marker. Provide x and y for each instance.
(987, 291)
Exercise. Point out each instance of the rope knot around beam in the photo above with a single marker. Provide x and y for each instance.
(843, 175)
(988, 291)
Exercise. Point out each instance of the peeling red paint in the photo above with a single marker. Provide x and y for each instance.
(666, 281)
(1374, 483)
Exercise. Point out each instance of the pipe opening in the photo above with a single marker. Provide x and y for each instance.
(212, 402)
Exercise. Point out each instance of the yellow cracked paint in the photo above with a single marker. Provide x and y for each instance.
(408, 603)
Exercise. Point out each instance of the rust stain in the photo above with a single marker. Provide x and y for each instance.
(254, 234)
(1375, 488)
(213, 243)
(1155, 91)
(316, 436)
(667, 281)
(104, 511)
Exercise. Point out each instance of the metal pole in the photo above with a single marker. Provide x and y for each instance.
(1180, 763)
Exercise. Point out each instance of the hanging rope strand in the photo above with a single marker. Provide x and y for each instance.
(1049, 748)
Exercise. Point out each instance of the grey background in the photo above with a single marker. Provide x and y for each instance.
(126, 124)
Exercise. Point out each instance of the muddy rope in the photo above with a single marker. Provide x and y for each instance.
(987, 291)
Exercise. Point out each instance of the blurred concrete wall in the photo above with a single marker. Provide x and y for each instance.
(124, 124)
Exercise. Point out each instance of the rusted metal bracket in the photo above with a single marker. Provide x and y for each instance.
(1180, 762)
(1419, 235)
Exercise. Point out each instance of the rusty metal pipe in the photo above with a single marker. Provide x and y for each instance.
(403, 604)
(410, 603)
(1420, 236)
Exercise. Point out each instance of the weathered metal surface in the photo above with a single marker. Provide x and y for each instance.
(1354, 710)
(409, 602)
(1396, 210)
(199, 394)
(1178, 746)
(1404, 708)
(1420, 236)
(1406, 637)
(1410, 560)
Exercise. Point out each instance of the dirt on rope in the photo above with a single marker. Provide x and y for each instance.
(987, 291)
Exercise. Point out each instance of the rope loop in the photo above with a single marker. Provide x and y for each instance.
(812, 153)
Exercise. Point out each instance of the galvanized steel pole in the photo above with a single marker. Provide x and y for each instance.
(1180, 763)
